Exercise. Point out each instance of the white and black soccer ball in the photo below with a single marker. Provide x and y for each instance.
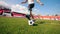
(31, 22)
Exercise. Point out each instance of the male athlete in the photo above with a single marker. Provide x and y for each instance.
(30, 6)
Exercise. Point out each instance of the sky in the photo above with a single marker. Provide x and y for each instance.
(51, 7)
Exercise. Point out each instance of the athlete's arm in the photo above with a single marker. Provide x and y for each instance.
(40, 2)
(24, 2)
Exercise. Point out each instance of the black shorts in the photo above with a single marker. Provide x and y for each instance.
(30, 6)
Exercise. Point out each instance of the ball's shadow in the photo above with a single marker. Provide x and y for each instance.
(39, 23)
(35, 24)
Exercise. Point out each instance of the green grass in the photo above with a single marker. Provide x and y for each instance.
(20, 26)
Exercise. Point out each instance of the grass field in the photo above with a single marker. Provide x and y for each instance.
(20, 26)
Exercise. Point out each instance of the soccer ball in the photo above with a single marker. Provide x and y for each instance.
(31, 22)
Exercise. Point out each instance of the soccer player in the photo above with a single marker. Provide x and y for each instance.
(30, 6)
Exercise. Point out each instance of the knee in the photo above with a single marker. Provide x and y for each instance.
(30, 9)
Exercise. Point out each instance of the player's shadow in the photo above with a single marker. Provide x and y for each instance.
(35, 24)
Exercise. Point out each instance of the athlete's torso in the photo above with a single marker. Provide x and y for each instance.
(30, 1)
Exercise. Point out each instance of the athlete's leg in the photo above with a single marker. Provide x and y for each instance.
(31, 15)
(30, 9)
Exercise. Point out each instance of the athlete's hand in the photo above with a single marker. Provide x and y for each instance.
(41, 4)
(22, 2)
